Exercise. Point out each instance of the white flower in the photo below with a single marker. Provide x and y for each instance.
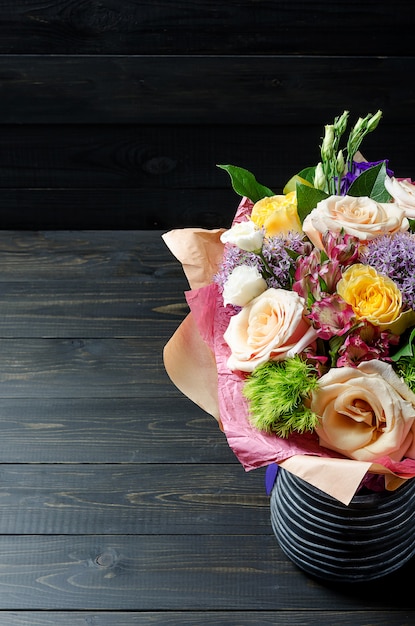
(246, 235)
(243, 285)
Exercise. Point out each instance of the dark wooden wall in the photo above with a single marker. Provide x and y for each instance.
(114, 113)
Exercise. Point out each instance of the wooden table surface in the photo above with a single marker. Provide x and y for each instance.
(120, 501)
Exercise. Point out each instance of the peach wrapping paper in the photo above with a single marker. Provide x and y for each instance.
(195, 359)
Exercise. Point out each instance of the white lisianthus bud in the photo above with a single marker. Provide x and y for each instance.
(374, 121)
(340, 164)
(328, 141)
(245, 235)
(340, 123)
(243, 285)
(319, 181)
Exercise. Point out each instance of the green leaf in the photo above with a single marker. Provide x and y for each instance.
(308, 173)
(371, 183)
(406, 349)
(307, 199)
(245, 184)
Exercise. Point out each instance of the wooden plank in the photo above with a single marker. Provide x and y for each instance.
(99, 309)
(200, 89)
(208, 618)
(114, 209)
(206, 26)
(144, 158)
(146, 573)
(85, 255)
(109, 430)
(142, 499)
(84, 367)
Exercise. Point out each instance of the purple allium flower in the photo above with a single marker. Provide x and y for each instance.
(394, 256)
(276, 264)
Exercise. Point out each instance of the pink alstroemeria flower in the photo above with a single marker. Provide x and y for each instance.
(365, 343)
(343, 248)
(331, 317)
(307, 276)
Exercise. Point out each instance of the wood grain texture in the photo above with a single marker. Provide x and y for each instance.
(206, 26)
(150, 158)
(87, 256)
(110, 430)
(242, 89)
(114, 115)
(162, 573)
(207, 618)
(119, 309)
(113, 209)
(120, 500)
(137, 498)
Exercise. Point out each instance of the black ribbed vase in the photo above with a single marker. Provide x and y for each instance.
(371, 537)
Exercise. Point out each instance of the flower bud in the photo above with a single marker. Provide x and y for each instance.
(340, 164)
(327, 146)
(340, 123)
(374, 121)
(319, 177)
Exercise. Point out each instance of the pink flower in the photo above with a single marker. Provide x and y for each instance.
(342, 248)
(365, 343)
(318, 272)
(331, 317)
(307, 276)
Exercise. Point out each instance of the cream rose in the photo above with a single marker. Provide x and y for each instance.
(245, 235)
(270, 327)
(243, 285)
(403, 193)
(361, 217)
(366, 412)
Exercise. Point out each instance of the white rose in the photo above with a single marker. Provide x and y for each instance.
(243, 285)
(361, 217)
(366, 412)
(246, 235)
(270, 327)
(403, 193)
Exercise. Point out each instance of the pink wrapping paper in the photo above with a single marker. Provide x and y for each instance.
(195, 359)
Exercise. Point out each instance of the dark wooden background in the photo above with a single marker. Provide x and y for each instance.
(113, 114)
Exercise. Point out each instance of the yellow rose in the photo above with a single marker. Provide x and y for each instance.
(373, 297)
(365, 412)
(277, 214)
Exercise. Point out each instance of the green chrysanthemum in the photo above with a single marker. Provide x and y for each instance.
(406, 369)
(276, 392)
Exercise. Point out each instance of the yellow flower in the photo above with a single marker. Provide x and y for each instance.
(373, 297)
(278, 214)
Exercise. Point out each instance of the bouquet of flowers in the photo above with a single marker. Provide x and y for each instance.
(301, 335)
